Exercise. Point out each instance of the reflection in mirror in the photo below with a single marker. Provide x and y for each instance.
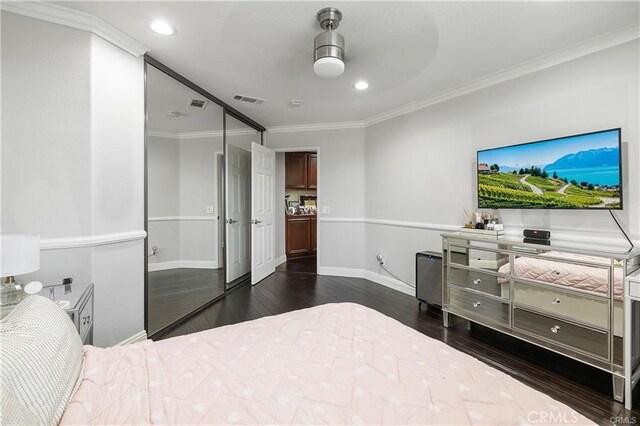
(184, 196)
(239, 137)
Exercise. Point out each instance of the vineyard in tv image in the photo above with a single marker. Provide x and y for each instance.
(588, 184)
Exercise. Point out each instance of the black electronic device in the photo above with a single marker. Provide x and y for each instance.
(540, 241)
(536, 233)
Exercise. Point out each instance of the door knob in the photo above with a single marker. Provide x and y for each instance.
(231, 221)
(255, 221)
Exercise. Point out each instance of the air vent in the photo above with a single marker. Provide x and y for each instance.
(198, 104)
(249, 99)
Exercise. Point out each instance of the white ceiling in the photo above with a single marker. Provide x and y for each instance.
(407, 51)
(166, 94)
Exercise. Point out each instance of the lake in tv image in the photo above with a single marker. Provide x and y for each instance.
(581, 171)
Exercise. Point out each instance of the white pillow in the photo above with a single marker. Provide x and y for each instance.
(41, 358)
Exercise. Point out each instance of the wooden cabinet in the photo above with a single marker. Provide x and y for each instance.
(301, 235)
(296, 170)
(312, 171)
(301, 170)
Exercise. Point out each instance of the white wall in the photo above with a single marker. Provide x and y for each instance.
(72, 169)
(420, 166)
(341, 186)
(182, 182)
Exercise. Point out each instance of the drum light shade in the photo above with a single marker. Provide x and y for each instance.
(328, 46)
(328, 67)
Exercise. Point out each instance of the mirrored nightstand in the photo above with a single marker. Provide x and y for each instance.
(80, 309)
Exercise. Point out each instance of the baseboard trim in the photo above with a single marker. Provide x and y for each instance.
(138, 337)
(281, 260)
(174, 264)
(341, 272)
(389, 282)
(368, 275)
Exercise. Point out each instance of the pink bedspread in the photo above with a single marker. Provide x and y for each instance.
(332, 364)
(578, 277)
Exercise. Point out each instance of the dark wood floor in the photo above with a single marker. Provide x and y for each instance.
(306, 265)
(174, 293)
(583, 388)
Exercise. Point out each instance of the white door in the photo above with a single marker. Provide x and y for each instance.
(263, 166)
(238, 212)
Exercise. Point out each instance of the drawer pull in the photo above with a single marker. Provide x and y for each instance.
(555, 301)
(477, 281)
(555, 272)
(477, 258)
(555, 328)
(476, 304)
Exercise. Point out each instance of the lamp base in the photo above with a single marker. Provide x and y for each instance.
(11, 294)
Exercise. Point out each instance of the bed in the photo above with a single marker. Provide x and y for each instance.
(331, 364)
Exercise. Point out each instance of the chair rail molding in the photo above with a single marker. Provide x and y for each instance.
(386, 222)
(182, 218)
(568, 234)
(91, 241)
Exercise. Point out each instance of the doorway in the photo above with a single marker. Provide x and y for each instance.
(298, 189)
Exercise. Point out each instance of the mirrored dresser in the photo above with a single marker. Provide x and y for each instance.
(566, 298)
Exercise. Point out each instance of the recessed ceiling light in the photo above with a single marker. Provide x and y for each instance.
(361, 85)
(174, 114)
(162, 27)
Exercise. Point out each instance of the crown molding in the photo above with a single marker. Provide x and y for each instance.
(163, 134)
(50, 12)
(342, 125)
(570, 53)
(200, 135)
(605, 41)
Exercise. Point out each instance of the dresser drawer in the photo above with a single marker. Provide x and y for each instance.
(552, 271)
(574, 306)
(634, 289)
(476, 280)
(85, 318)
(558, 331)
(478, 305)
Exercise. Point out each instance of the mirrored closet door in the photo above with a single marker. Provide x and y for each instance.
(184, 200)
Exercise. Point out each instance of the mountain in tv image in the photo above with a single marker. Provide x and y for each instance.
(601, 157)
(583, 179)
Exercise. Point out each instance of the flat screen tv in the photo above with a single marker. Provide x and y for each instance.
(572, 172)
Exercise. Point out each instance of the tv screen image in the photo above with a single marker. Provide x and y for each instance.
(573, 172)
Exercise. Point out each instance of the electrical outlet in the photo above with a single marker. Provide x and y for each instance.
(209, 209)
(380, 259)
(326, 209)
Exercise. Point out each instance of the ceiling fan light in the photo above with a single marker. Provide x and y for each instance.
(328, 67)
(328, 46)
